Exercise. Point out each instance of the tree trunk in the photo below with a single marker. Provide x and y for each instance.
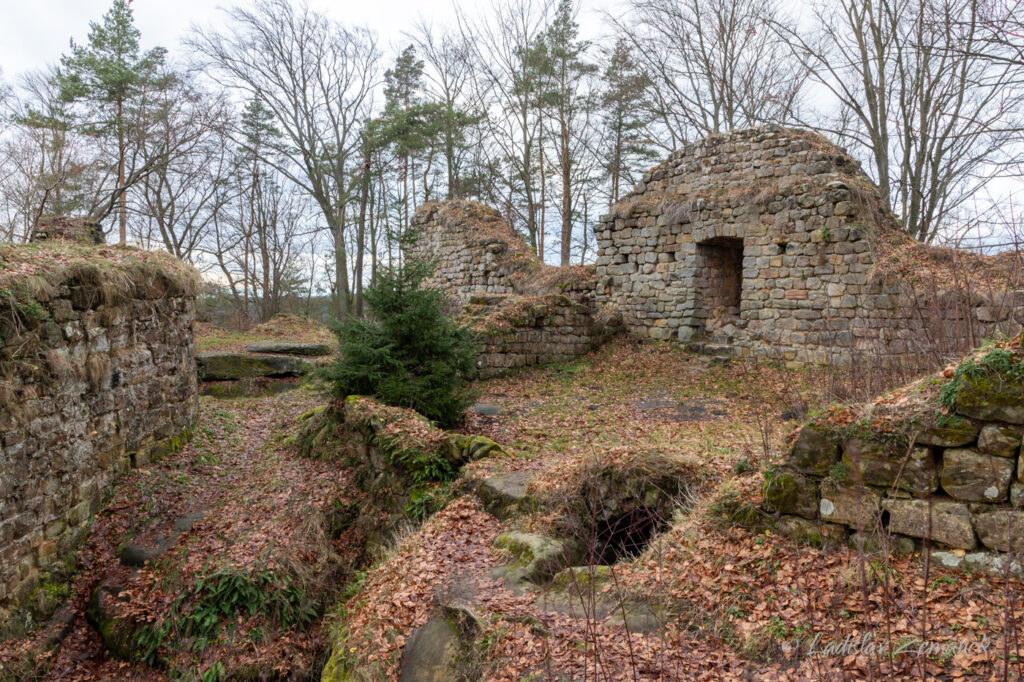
(122, 200)
(361, 236)
(566, 193)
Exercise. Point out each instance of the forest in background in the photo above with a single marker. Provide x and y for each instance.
(283, 153)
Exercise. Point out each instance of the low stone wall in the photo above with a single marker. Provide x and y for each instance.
(97, 374)
(937, 460)
(533, 331)
(772, 242)
(527, 313)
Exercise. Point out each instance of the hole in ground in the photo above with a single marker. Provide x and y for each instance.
(624, 536)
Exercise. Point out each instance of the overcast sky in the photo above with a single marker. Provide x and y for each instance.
(34, 33)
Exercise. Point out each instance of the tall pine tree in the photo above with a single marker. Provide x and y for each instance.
(625, 120)
(107, 76)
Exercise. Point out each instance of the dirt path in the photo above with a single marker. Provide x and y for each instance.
(234, 498)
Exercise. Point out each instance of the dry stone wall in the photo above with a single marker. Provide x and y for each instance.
(772, 242)
(939, 460)
(527, 313)
(97, 375)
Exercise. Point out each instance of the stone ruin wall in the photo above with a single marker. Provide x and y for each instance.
(527, 313)
(96, 377)
(913, 467)
(766, 242)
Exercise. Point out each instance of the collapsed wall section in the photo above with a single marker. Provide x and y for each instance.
(773, 242)
(526, 313)
(97, 374)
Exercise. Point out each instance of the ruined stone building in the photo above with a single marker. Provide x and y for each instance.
(774, 242)
(762, 242)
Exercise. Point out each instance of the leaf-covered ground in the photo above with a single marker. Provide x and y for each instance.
(733, 604)
(210, 337)
(729, 603)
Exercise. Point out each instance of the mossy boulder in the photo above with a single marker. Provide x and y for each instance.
(116, 630)
(581, 579)
(881, 543)
(505, 495)
(884, 464)
(787, 491)
(992, 396)
(536, 558)
(461, 449)
(947, 431)
(813, 533)
(229, 366)
(814, 451)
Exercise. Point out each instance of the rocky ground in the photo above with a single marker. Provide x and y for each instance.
(540, 566)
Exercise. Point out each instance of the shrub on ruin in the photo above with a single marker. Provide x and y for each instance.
(409, 352)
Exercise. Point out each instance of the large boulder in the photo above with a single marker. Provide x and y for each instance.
(504, 495)
(290, 348)
(536, 559)
(943, 521)
(229, 366)
(879, 463)
(971, 476)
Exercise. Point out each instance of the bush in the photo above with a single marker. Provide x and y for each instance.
(409, 352)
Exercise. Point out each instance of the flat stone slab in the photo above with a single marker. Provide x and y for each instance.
(487, 410)
(504, 495)
(290, 348)
(229, 366)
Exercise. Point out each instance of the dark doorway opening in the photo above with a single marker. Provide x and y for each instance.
(720, 285)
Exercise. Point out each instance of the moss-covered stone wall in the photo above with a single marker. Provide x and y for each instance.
(938, 461)
(97, 374)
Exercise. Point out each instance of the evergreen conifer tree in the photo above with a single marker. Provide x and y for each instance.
(409, 352)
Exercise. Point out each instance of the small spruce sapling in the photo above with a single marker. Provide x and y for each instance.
(409, 352)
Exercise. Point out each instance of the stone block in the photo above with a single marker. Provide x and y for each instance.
(786, 491)
(852, 505)
(945, 521)
(886, 465)
(814, 451)
(971, 476)
(999, 441)
(1001, 529)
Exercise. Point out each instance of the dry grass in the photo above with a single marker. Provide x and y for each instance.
(97, 367)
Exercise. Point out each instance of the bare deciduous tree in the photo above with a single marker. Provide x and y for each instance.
(920, 95)
(714, 64)
(317, 78)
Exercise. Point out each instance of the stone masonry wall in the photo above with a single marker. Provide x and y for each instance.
(527, 313)
(533, 331)
(939, 460)
(811, 236)
(97, 374)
